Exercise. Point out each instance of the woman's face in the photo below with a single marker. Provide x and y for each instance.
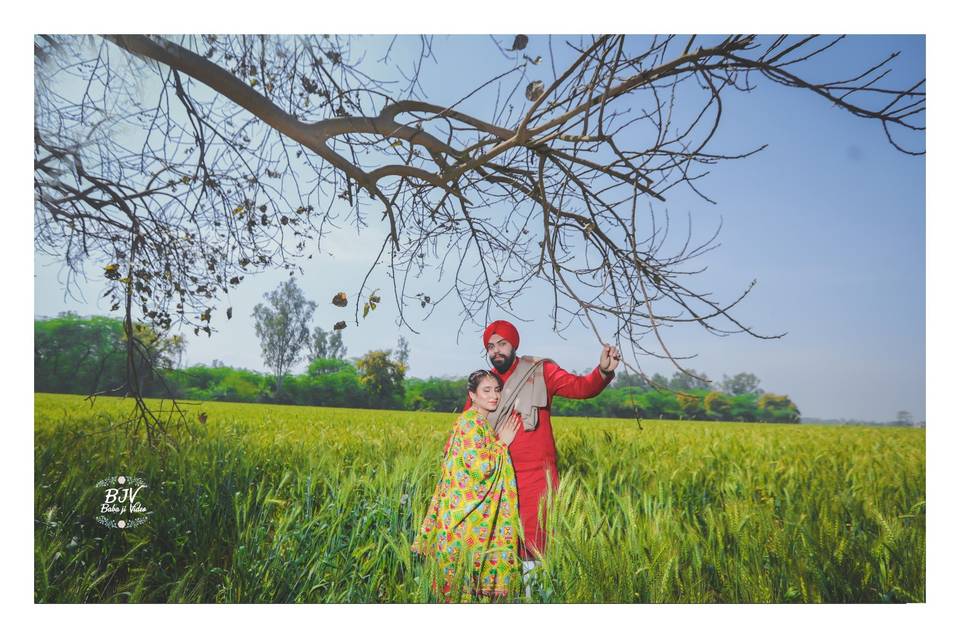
(487, 395)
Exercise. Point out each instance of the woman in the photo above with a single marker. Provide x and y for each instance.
(473, 518)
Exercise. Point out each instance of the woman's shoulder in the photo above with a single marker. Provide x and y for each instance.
(471, 417)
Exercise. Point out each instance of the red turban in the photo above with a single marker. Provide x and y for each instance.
(505, 329)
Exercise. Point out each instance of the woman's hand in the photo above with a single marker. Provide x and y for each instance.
(507, 430)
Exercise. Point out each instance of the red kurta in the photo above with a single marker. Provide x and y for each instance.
(534, 453)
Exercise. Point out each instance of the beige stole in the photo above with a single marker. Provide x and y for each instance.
(525, 392)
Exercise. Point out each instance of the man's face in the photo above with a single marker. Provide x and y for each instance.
(500, 352)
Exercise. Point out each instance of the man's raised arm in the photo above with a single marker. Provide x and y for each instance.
(568, 385)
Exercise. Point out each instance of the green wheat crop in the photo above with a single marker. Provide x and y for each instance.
(269, 503)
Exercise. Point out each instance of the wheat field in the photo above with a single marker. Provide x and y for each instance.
(266, 503)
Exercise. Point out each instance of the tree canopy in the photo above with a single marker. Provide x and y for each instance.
(327, 345)
(282, 326)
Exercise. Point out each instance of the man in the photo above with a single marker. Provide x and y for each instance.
(533, 450)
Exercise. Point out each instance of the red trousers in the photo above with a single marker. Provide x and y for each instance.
(531, 488)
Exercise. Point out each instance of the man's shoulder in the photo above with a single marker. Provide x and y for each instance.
(545, 365)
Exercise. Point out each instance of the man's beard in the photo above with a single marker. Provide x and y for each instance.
(506, 363)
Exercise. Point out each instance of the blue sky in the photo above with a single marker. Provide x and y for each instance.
(830, 220)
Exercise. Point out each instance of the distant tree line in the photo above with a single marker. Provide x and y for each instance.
(74, 354)
(697, 404)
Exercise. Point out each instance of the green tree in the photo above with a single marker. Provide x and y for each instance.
(743, 408)
(435, 394)
(238, 386)
(691, 405)
(740, 384)
(339, 386)
(635, 380)
(382, 378)
(323, 366)
(661, 404)
(717, 405)
(776, 408)
(904, 419)
(74, 354)
(689, 382)
(659, 381)
(282, 327)
(403, 352)
(77, 355)
(327, 345)
(336, 349)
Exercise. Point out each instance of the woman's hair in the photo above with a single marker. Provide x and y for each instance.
(474, 380)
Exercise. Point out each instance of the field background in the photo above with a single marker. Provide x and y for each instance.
(270, 503)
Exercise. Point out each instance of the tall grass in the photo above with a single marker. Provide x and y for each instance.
(299, 504)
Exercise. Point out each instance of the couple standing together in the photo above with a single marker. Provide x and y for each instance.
(500, 459)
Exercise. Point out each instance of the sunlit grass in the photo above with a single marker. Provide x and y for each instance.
(301, 504)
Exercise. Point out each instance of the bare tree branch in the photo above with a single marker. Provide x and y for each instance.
(186, 163)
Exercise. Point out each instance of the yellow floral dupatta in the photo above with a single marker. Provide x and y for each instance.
(474, 510)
